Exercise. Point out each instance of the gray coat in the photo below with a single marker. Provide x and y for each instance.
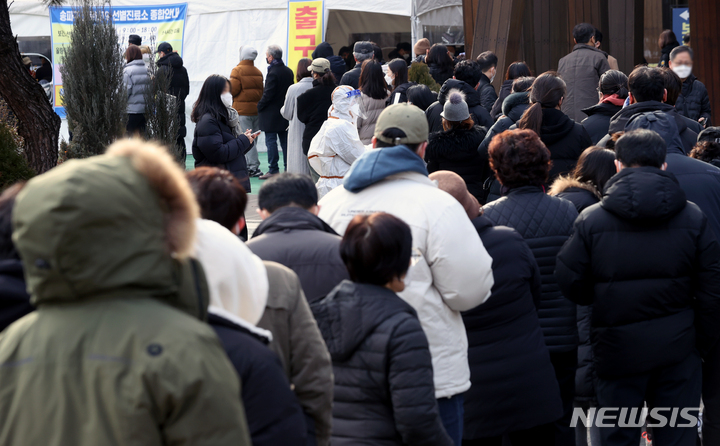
(297, 160)
(136, 81)
(581, 71)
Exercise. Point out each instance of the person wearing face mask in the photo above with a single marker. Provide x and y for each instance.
(397, 79)
(402, 51)
(337, 145)
(215, 143)
(488, 65)
(147, 57)
(581, 71)
(694, 101)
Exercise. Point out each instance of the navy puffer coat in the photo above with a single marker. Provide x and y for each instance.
(545, 223)
(384, 393)
(215, 145)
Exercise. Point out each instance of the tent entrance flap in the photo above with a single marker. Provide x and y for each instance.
(346, 27)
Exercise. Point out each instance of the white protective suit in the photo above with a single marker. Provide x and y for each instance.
(337, 144)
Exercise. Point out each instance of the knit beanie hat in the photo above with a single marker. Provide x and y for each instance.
(421, 47)
(455, 109)
(248, 53)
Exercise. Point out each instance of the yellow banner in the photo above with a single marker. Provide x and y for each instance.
(305, 29)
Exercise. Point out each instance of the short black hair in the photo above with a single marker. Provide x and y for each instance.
(468, 71)
(220, 195)
(646, 84)
(686, 39)
(376, 248)
(405, 46)
(393, 133)
(681, 49)
(583, 32)
(287, 189)
(7, 203)
(487, 60)
(522, 84)
(673, 85)
(641, 148)
(598, 35)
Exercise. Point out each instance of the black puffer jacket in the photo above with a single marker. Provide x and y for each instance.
(487, 93)
(14, 300)
(352, 77)
(402, 91)
(545, 223)
(506, 349)
(646, 259)
(583, 196)
(687, 128)
(564, 138)
(307, 245)
(665, 56)
(472, 98)
(512, 109)
(273, 413)
(312, 110)
(505, 91)
(440, 74)
(700, 181)
(337, 63)
(598, 121)
(456, 151)
(215, 145)
(179, 85)
(384, 393)
(694, 101)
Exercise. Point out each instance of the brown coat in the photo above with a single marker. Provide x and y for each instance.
(300, 346)
(247, 88)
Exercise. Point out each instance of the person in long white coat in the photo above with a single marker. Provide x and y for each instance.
(337, 145)
(297, 162)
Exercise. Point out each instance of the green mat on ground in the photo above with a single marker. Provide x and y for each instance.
(254, 182)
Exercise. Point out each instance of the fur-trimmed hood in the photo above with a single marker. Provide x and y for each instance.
(564, 183)
(455, 144)
(115, 224)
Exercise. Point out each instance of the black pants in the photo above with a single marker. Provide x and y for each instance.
(711, 397)
(676, 386)
(565, 365)
(543, 435)
(135, 124)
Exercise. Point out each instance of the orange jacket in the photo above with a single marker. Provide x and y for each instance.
(247, 88)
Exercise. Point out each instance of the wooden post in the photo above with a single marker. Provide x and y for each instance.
(704, 18)
(626, 28)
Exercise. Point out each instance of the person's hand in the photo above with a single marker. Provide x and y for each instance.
(249, 134)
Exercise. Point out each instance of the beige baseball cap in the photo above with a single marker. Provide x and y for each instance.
(319, 65)
(406, 117)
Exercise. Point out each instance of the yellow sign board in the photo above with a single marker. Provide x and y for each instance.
(306, 26)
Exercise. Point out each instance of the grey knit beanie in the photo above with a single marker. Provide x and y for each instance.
(455, 109)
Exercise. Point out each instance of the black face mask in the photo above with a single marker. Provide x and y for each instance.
(268, 61)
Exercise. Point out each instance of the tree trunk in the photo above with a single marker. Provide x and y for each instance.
(38, 124)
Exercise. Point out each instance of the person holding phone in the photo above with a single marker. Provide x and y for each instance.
(219, 140)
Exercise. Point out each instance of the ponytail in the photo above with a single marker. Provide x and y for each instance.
(614, 82)
(327, 79)
(547, 91)
(532, 118)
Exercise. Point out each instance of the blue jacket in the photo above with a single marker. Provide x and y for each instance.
(377, 165)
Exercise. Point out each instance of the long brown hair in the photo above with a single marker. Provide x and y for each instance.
(302, 69)
(666, 38)
(546, 92)
(461, 125)
(133, 53)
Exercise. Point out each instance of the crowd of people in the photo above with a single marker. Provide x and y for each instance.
(460, 268)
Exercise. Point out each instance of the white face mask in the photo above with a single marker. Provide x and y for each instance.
(683, 71)
(146, 58)
(493, 76)
(388, 79)
(227, 99)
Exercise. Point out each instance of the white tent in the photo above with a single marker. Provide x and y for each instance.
(216, 29)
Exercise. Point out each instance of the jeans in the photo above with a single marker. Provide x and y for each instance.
(452, 413)
(251, 122)
(565, 365)
(675, 386)
(273, 156)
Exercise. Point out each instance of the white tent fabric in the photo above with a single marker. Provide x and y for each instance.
(216, 29)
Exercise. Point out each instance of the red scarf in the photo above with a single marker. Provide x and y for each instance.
(613, 99)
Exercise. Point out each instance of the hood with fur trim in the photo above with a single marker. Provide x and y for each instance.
(565, 183)
(119, 224)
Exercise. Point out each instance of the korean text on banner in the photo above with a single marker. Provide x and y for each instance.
(154, 24)
(306, 28)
